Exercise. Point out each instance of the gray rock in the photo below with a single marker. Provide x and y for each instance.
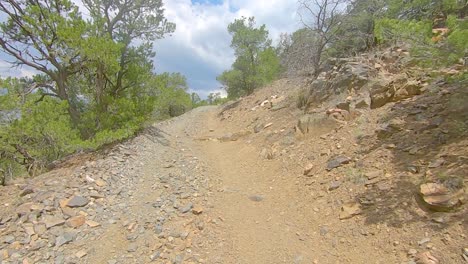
(155, 255)
(158, 229)
(179, 259)
(334, 185)
(66, 238)
(8, 239)
(323, 230)
(77, 201)
(256, 198)
(343, 106)
(51, 221)
(132, 248)
(337, 161)
(186, 209)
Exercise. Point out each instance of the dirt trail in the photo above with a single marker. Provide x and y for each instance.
(254, 199)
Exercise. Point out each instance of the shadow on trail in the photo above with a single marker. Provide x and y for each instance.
(156, 135)
(426, 140)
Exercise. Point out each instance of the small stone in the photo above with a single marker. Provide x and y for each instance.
(465, 254)
(81, 253)
(67, 211)
(76, 221)
(179, 259)
(9, 239)
(437, 163)
(51, 221)
(155, 255)
(349, 210)
(40, 229)
(64, 239)
(426, 258)
(323, 230)
(186, 208)
(424, 241)
(334, 185)
(268, 125)
(100, 183)
(374, 174)
(256, 198)
(24, 209)
(77, 201)
(197, 210)
(337, 162)
(308, 169)
(92, 224)
(412, 252)
(27, 190)
(132, 247)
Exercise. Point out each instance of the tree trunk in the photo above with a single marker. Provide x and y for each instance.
(61, 81)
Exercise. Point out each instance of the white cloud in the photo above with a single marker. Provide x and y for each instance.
(6, 70)
(200, 47)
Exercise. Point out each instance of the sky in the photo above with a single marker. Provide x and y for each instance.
(200, 47)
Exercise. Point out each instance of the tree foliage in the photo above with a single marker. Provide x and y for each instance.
(435, 30)
(256, 61)
(95, 83)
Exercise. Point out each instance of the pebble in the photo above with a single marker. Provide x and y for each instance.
(334, 185)
(424, 241)
(256, 198)
(132, 247)
(64, 239)
(186, 208)
(77, 201)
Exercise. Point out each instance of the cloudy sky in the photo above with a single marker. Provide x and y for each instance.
(200, 47)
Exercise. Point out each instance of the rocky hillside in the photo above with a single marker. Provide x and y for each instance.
(378, 148)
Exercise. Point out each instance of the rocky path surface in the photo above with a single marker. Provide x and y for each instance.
(145, 201)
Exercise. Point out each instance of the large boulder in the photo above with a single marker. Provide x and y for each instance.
(394, 89)
(381, 92)
(317, 124)
(343, 78)
(438, 197)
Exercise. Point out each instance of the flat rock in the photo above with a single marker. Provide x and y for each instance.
(8, 239)
(92, 224)
(337, 161)
(65, 238)
(197, 210)
(76, 221)
(426, 258)
(24, 209)
(334, 185)
(51, 221)
(256, 198)
(186, 208)
(40, 229)
(81, 253)
(77, 201)
(349, 210)
(374, 174)
(100, 183)
(308, 169)
(439, 198)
